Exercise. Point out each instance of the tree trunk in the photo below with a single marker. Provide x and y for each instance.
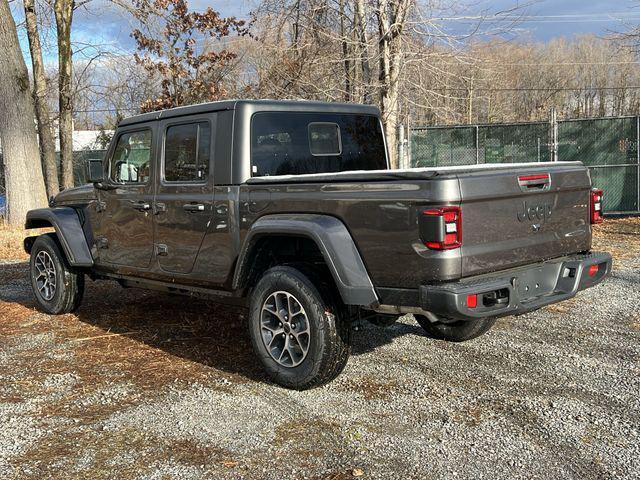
(392, 15)
(345, 54)
(23, 171)
(63, 10)
(45, 133)
(361, 32)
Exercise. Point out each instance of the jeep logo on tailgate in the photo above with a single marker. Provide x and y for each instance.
(532, 212)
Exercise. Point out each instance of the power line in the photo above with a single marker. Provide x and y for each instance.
(531, 89)
(444, 90)
(106, 110)
(561, 64)
(591, 17)
(439, 89)
(534, 64)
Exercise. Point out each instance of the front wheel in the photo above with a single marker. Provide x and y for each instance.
(298, 329)
(459, 331)
(57, 287)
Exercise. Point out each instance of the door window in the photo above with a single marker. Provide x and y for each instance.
(132, 158)
(186, 152)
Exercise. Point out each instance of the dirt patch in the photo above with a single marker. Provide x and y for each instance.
(471, 415)
(137, 384)
(372, 388)
(620, 237)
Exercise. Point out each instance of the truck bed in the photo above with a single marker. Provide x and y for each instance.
(401, 174)
(504, 224)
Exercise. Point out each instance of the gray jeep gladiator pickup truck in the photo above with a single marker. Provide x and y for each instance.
(290, 208)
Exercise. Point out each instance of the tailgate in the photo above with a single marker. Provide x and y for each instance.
(523, 214)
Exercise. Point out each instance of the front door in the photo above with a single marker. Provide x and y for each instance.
(183, 204)
(124, 234)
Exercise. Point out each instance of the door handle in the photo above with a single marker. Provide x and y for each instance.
(141, 206)
(193, 207)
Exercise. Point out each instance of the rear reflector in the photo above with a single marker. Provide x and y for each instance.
(593, 269)
(596, 205)
(441, 228)
(472, 301)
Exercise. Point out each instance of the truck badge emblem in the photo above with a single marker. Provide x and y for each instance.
(533, 212)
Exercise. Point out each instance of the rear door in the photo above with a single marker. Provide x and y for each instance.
(183, 204)
(523, 214)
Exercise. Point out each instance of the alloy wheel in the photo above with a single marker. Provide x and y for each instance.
(45, 275)
(284, 325)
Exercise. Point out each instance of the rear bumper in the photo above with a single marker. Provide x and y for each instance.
(517, 291)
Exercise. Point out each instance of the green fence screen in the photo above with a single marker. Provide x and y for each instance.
(514, 143)
(608, 146)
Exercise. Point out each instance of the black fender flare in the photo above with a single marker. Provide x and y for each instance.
(68, 229)
(335, 243)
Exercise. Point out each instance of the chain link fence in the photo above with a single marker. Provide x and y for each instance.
(79, 171)
(608, 146)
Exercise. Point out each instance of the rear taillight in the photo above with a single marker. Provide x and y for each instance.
(596, 206)
(441, 228)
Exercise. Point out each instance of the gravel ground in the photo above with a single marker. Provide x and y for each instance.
(143, 385)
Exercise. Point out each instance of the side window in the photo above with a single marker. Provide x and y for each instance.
(132, 157)
(186, 152)
(324, 139)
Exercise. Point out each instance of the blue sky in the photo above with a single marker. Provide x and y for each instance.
(548, 19)
(543, 19)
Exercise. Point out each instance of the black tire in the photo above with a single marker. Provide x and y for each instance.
(69, 283)
(459, 331)
(328, 343)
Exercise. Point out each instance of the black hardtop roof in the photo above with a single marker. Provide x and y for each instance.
(256, 106)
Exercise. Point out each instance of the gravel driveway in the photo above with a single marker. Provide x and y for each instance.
(143, 385)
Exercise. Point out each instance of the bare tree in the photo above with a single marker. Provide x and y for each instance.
(23, 171)
(392, 17)
(43, 115)
(363, 72)
(63, 10)
(328, 50)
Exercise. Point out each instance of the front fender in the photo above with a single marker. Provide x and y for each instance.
(68, 229)
(335, 243)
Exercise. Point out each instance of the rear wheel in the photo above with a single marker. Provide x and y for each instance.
(57, 287)
(459, 331)
(298, 329)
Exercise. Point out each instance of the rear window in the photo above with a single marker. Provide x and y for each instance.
(186, 157)
(297, 143)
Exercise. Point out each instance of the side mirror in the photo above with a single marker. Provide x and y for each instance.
(95, 171)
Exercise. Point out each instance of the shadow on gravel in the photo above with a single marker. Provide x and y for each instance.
(372, 337)
(194, 329)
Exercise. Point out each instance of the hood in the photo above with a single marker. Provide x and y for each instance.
(75, 196)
